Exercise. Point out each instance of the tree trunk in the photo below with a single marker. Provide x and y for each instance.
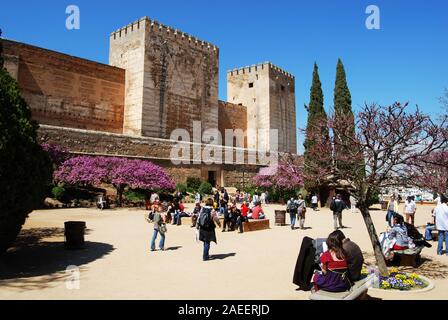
(120, 190)
(380, 260)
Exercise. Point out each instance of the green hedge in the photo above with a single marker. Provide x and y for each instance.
(205, 188)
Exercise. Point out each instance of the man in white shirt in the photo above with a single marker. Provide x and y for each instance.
(441, 214)
(314, 202)
(409, 210)
(154, 197)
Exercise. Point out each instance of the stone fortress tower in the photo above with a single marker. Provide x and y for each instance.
(158, 79)
(171, 78)
(268, 92)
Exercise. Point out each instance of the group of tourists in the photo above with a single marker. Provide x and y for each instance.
(246, 197)
(402, 234)
(204, 218)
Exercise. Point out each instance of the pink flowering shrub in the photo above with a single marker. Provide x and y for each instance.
(285, 177)
(120, 172)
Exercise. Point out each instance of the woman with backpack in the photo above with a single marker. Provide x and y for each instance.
(206, 227)
(291, 208)
(301, 210)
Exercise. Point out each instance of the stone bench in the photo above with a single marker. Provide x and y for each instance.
(408, 257)
(357, 292)
(255, 225)
(185, 221)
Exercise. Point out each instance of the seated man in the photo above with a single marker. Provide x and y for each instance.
(354, 256)
(257, 212)
(102, 202)
(430, 227)
(244, 211)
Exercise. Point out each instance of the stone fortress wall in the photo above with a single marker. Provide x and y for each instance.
(67, 91)
(159, 79)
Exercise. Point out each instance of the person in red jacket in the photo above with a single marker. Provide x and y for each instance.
(243, 217)
(257, 212)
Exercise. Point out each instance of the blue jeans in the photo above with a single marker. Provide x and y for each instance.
(206, 255)
(176, 217)
(153, 241)
(428, 232)
(443, 235)
(292, 217)
(390, 215)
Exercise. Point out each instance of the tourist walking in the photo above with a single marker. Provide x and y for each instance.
(392, 209)
(314, 202)
(198, 197)
(263, 198)
(337, 206)
(159, 228)
(291, 208)
(206, 227)
(441, 214)
(154, 197)
(353, 204)
(409, 210)
(301, 211)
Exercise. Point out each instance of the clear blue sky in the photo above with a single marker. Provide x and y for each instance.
(406, 60)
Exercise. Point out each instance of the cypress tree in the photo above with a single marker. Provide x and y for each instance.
(317, 117)
(345, 122)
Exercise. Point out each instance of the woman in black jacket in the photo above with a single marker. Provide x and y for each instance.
(206, 227)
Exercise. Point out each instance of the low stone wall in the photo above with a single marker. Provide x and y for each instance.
(156, 150)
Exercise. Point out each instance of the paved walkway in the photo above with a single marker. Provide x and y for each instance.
(117, 263)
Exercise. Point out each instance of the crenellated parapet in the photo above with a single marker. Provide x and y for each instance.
(167, 31)
(260, 66)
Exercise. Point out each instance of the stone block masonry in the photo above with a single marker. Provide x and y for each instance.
(66, 91)
(85, 142)
(268, 92)
(172, 78)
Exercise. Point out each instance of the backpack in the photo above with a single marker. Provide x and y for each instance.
(291, 206)
(205, 219)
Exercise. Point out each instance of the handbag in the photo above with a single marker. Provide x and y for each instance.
(163, 229)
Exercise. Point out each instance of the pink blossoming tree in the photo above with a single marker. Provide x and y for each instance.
(384, 147)
(119, 172)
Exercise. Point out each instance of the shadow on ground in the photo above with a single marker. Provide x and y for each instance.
(428, 267)
(31, 257)
(222, 256)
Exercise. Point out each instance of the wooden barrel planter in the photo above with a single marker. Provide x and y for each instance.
(74, 234)
(280, 217)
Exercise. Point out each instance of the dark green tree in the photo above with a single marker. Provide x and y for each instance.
(344, 123)
(316, 131)
(25, 169)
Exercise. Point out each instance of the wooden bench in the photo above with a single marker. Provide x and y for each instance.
(408, 257)
(255, 225)
(357, 292)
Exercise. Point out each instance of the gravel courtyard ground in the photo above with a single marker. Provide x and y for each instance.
(117, 263)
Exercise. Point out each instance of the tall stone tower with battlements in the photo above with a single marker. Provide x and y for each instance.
(171, 78)
(268, 92)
